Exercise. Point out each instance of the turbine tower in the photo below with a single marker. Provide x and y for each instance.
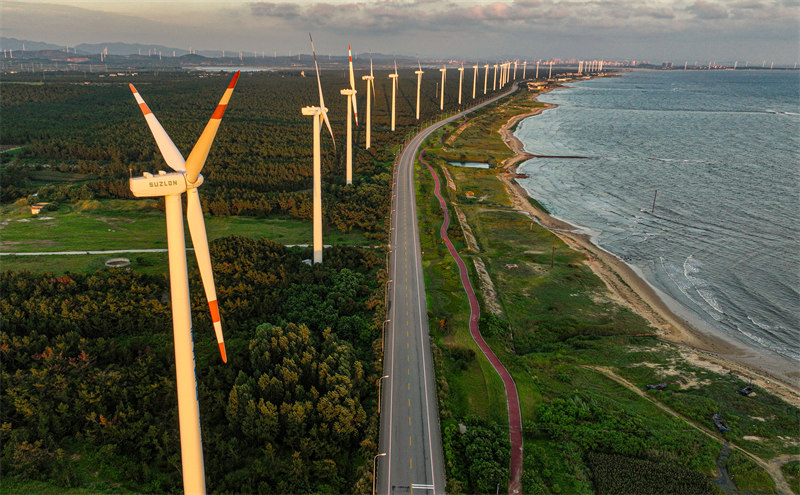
(419, 73)
(460, 82)
(550, 74)
(524, 68)
(443, 70)
(537, 69)
(393, 77)
(474, 80)
(515, 69)
(370, 83)
(319, 114)
(171, 186)
(352, 109)
(494, 84)
(485, 77)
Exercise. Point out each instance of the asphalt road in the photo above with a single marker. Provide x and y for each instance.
(410, 434)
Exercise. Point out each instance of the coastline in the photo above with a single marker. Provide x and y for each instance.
(630, 289)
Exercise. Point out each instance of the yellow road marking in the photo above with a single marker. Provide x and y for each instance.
(409, 402)
(409, 421)
(409, 386)
(409, 463)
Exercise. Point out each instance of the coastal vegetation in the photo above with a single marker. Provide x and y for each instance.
(580, 360)
(88, 392)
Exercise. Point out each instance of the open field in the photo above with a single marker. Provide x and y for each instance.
(95, 225)
(554, 326)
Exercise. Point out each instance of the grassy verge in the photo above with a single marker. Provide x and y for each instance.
(583, 429)
(94, 225)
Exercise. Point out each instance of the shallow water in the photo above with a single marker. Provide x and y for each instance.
(722, 151)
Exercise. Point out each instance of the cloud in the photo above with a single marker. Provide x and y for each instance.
(280, 10)
(655, 13)
(707, 10)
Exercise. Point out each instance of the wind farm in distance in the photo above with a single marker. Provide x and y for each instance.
(464, 254)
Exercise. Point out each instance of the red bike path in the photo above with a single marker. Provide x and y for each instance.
(512, 398)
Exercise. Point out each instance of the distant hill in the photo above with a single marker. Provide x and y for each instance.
(15, 44)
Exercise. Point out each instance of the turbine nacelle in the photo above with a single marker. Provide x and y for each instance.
(162, 184)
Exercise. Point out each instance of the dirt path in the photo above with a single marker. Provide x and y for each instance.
(512, 397)
(772, 467)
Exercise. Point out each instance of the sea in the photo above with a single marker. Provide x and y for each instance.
(693, 179)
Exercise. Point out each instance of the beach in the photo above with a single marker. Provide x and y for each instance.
(628, 288)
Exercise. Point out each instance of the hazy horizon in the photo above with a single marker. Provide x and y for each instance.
(652, 31)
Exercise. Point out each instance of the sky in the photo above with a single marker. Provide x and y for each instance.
(650, 30)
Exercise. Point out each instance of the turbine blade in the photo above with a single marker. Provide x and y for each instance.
(322, 109)
(353, 84)
(370, 67)
(165, 145)
(197, 229)
(197, 158)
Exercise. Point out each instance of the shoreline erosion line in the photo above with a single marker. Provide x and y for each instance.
(512, 396)
(630, 289)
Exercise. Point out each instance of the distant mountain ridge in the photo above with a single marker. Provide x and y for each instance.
(126, 49)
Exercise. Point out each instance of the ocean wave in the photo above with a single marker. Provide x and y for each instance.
(703, 287)
(769, 344)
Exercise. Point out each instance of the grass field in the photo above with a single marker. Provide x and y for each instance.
(104, 225)
(560, 320)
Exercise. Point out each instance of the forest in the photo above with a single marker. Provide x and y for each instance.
(88, 381)
(260, 164)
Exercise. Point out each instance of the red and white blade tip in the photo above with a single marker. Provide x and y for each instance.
(142, 105)
(214, 309)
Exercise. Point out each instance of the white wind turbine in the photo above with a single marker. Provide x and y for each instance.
(319, 114)
(370, 83)
(460, 82)
(515, 69)
(443, 70)
(419, 73)
(485, 77)
(494, 84)
(550, 74)
(524, 68)
(171, 186)
(474, 79)
(537, 70)
(352, 109)
(394, 77)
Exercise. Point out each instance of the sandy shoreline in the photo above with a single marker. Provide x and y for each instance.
(628, 288)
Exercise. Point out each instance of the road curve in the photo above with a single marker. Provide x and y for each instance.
(410, 435)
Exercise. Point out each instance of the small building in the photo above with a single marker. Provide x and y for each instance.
(35, 209)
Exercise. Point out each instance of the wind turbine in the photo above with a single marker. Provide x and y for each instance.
(474, 79)
(515, 69)
(443, 70)
(524, 68)
(370, 83)
(319, 114)
(485, 77)
(494, 85)
(550, 74)
(537, 69)
(393, 77)
(352, 109)
(171, 186)
(419, 84)
(460, 82)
